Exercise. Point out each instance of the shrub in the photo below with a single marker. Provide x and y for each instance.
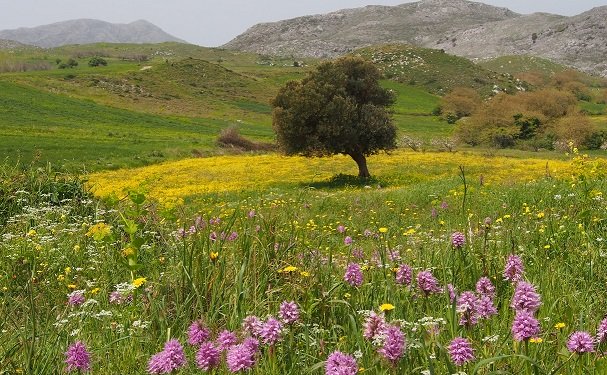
(230, 137)
(97, 61)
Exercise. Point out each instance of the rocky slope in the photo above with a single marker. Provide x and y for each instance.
(85, 31)
(464, 28)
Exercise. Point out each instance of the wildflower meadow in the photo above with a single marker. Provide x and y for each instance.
(445, 276)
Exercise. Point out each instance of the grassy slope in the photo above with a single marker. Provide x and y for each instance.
(77, 132)
(520, 64)
(120, 115)
(433, 70)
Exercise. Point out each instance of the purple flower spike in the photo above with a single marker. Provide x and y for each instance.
(404, 275)
(270, 331)
(208, 356)
(77, 357)
(513, 271)
(339, 363)
(525, 298)
(580, 342)
(198, 333)
(458, 240)
(289, 312)
(354, 274)
(242, 357)
(460, 351)
(394, 344)
(427, 283)
(525, 326)
(168, 360)
(226, 339)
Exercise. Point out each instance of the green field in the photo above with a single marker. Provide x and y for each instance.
(268, 265)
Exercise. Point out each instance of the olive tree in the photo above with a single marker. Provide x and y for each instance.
(339, 108)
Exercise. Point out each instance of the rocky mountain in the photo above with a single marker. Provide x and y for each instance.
(465, 28)
(85, 31)
(12, 45)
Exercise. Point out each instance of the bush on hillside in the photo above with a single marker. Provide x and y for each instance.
(97, 61)
(231, 138)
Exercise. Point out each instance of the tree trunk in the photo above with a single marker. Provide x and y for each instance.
(361, 161)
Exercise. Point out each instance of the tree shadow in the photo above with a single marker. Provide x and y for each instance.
(341, 181)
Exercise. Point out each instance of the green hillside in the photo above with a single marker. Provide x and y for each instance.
(76, 133)
(434, 70)
(166, 101)
(522, 64)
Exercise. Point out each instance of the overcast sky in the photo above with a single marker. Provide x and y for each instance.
(214, 22)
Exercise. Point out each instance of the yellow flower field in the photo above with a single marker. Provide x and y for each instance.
(173, 181)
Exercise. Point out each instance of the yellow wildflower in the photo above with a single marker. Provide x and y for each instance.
(288, 269)
(536, 340)
(128, 251)
(559, 325)
(31, 233)
(383, 230)
(386, 307)
(67, 270)
(214, 255)
(95, 291)
(99, 231)
(305, 274)
(139, 282)
(71, 286)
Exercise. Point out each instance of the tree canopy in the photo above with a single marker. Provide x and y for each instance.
(339, 108)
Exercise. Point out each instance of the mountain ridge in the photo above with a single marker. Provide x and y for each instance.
(86, 31)
(465, 28)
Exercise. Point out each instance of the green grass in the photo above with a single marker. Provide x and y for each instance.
(433, 70)
(39, 126)
(53, 248)
(522, 64)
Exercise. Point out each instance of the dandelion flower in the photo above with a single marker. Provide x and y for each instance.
(386, 307)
